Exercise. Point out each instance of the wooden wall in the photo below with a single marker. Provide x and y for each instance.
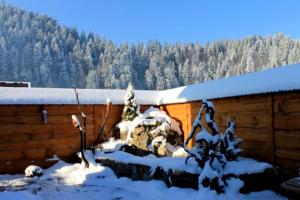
(268, 124)
(25, 139)
(287, 129)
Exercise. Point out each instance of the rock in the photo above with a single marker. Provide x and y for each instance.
(140, 138)
(141, 172)
(33, 170)
(252, 182)
(162, 151)
(174, 138)
(135, 151)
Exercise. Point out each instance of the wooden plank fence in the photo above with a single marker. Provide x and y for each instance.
(269, 125)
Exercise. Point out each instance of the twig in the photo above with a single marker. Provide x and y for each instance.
(83, 115)
(76, 124)
(102, 128)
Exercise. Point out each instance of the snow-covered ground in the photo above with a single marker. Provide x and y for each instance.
(72, 181)
(242, 166)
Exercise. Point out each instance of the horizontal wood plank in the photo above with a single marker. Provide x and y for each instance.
(287, 139)
(291, 154)
(287, 106)
(288, 122)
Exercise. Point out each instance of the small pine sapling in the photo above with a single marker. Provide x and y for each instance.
(206, 144)
(206, 151)
(131, 109)
(229, 143)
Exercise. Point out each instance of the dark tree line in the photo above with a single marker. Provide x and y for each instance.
(36, 48)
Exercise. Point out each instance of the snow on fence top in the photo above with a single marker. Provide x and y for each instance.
(284, 78)
(274, 80)
(29, 96)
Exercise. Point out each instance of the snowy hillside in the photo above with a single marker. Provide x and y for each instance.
(36, 48)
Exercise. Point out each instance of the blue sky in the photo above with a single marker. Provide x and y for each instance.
(172, 20)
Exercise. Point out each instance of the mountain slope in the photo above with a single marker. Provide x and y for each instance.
(36, 48)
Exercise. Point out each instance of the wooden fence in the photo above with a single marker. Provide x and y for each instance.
(269, 125)
(25, 139)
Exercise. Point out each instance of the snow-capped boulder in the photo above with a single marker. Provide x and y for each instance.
(33, 170)
(152, 130)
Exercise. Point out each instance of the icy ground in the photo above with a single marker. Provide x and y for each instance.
(72, 181)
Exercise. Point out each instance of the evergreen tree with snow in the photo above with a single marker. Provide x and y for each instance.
(131, 109)
(92, 80)
(38, 49)
(229, 143)
(207, 152)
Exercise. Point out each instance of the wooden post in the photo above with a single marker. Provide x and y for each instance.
(189, 123)
(272, 137)
(94, 123)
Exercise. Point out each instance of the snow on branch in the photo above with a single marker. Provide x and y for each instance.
(212, 149)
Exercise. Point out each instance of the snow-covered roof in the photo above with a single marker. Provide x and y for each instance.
(29, 96)
(279, 79)
(285, 78)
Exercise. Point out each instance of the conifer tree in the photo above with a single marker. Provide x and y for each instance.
(131, 109)
(36, 48)
(229, 143)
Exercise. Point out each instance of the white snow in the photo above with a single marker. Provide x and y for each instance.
(33, 170)
(166, 163)
(108, 101)
(204, 135)
(20, 195)
(207, 172)
(244, 166)
(112, 145)
(64, 181)
(76, 121)
(33, 96)
(284, 78)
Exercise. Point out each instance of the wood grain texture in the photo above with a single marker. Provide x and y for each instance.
(25, 138)
(269, 125)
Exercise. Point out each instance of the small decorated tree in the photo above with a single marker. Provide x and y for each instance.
(131, 109)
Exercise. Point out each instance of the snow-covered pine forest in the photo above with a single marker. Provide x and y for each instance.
(38, 49)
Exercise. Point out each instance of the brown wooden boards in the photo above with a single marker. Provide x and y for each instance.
(269, 125)
(24, 138)
(287, 129)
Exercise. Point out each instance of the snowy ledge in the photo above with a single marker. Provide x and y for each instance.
(242, 166)
(280, 79)
(66, 96)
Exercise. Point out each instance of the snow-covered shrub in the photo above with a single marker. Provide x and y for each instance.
(131, 109)
(152, 130)
(229, 143)
(211, 150)
(33, 170)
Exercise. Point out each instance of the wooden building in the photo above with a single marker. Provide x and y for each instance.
(14, 84)
(264, 105)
